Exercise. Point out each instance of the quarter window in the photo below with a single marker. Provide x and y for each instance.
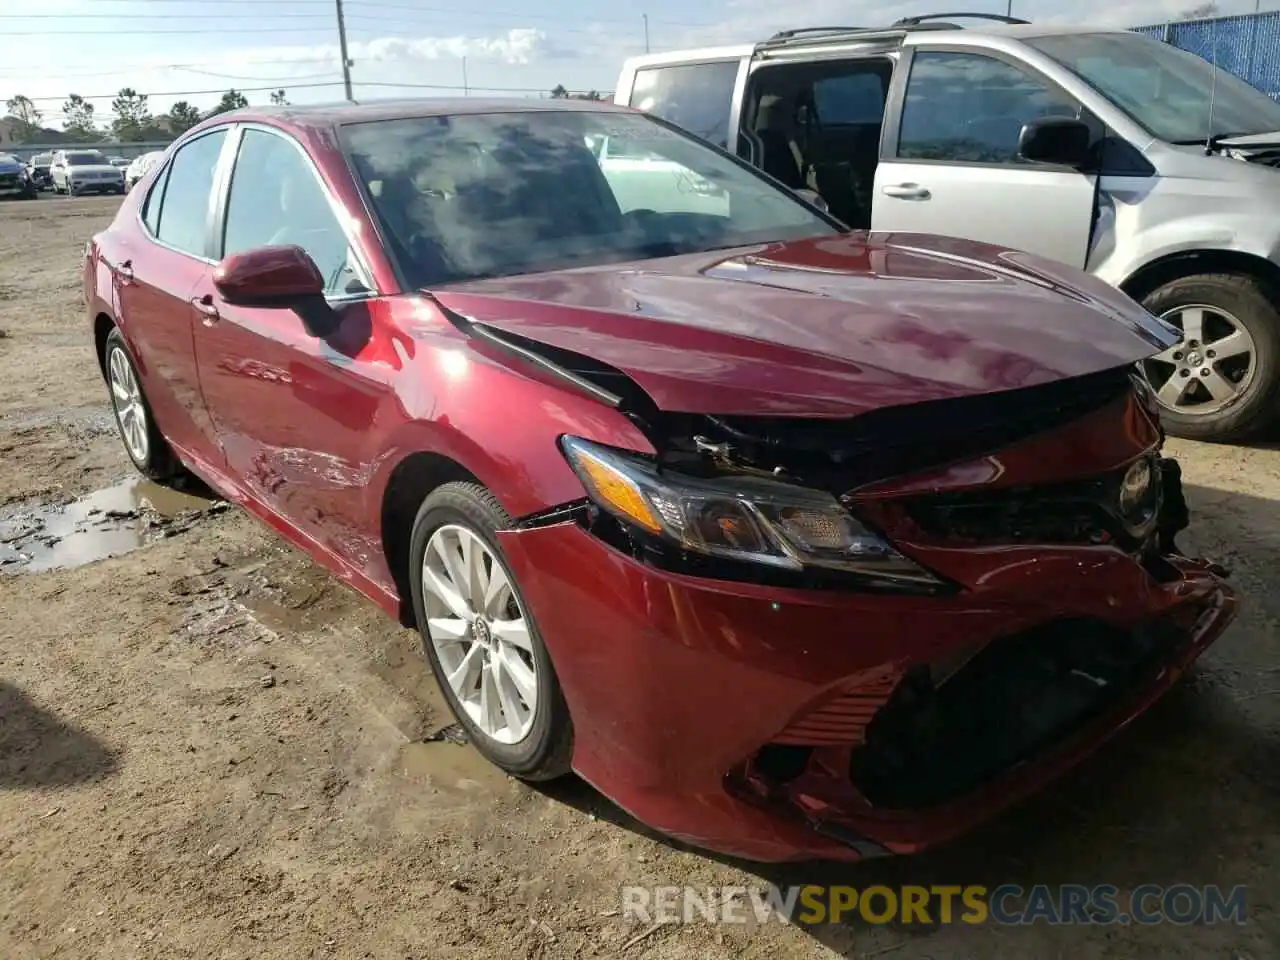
(964, 107)
(184, 210)
(151, 212)
(277, 200)
(696, 96)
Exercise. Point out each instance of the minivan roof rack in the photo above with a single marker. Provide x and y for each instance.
(917, 21)
(788, 34)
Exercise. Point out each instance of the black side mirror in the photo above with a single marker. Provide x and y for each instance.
(1058, 140)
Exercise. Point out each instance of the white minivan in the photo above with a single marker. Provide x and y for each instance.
(1105, 149)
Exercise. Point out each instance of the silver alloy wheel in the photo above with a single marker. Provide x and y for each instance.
(1209, 368)
(479, 632)
(126, 398)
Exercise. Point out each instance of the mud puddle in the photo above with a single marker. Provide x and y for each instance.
(37, 536)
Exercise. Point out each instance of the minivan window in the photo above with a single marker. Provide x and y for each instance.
(489, 195)
(184, 210)
(1165, 90)
(970, 108)
(849, 98)
(695, 96)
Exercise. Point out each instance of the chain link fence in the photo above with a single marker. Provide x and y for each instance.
(1246, 45)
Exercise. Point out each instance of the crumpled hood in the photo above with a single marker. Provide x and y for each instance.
(8, 166)
(835, 326)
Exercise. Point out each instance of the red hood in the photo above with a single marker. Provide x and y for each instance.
(829, 327)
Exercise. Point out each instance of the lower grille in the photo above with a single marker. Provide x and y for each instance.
(1018, 697)
(842, 720)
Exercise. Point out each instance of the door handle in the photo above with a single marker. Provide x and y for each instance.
(207, 309)
(906, 191)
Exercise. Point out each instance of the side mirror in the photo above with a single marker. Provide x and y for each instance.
(1058, 140)
(811, 197)
(269, 277)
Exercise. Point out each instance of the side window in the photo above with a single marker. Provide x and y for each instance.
(854, 98)
(151, 211)
(970, 108)
(277, 200)
(695, 96)
(184, 208)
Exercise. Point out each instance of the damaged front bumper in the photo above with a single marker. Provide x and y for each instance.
(783, 724)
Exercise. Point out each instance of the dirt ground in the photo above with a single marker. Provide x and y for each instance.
(209, 748)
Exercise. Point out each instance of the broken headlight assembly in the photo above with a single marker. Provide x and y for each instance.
(743, 518)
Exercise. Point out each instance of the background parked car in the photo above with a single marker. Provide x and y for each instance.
(77, 172)
(1093, 147)
(120, 162)
(15, 181)
(38, 168)
(138, 168)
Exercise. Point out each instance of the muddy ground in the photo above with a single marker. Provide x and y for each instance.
(208, 748)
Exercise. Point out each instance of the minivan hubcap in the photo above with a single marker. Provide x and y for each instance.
(126, 398)
(1209, 368)
(479, 632)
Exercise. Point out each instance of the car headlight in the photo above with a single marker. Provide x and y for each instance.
(744, 518)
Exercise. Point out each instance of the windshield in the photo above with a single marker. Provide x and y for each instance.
(42, 159)
(1164, 89)
(488, 195)
(84, 159)
(8, 158)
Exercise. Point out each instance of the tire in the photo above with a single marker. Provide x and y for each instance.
(1229, 300)
(154, 459)
(545, 750)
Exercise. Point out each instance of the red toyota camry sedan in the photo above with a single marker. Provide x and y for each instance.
(795, 542)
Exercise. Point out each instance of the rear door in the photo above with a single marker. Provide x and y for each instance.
(949, 157)
(157, 271)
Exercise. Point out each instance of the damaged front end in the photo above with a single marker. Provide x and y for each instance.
(1046, 511)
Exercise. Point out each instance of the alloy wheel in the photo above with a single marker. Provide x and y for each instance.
(1209, 368)
(126, 399)
(478, 628)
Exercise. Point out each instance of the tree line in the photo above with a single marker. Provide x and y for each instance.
(131, 118)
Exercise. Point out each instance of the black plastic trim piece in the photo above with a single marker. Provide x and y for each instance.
(479, 331)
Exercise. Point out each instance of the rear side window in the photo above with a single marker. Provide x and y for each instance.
(853, 98)
(695, 96)
(151, 212)
(184, 209)
(970, 108)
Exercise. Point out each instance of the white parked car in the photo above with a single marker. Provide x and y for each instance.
(77, 172)
(642, 179)
(139, 167)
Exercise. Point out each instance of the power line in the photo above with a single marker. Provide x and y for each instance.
(161, 16)
(147, 33)
(126, 67)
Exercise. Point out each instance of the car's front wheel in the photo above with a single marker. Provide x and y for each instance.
(1222, 381)
(144, 443)
(480, 637)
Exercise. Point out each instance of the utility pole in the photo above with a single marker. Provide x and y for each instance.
(645, 18)
(342, 49)
(465, 91)
(1008, 10)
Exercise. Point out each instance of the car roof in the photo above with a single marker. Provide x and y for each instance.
(328, 115)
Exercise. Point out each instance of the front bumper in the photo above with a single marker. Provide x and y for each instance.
(739, 717)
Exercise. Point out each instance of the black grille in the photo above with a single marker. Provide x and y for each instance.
(1083, 512)
(8, 180)
(1018, 697)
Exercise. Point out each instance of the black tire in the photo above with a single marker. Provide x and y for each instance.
(546, 751)
(160, 464)
(1257, 306)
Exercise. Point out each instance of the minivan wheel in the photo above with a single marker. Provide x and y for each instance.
(1222, 381)
(480, 636)
(144, 443)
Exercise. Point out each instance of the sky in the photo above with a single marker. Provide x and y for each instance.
(194, 49)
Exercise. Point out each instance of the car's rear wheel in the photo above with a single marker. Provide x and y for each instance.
(480, 637)
(144, 443)
(1222, 381)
